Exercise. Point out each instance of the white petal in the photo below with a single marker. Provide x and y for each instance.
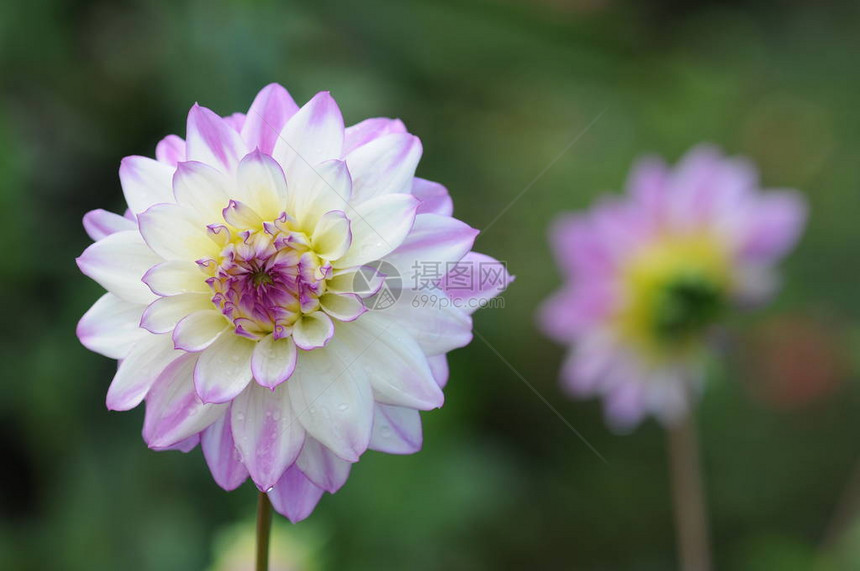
(100, 223)
(328, 187)
(162, 315)
(212, 141)
(274, 360)
(434, 239)
(313, 135)
(261, 185)
(379, 226)
(176, 276)
(383, 166)
(224, 368)
(111, 327)
(313, 330)
(394, 362)
(436, 324)
(203, 189)
(174, 232)
(197, 331)
(145, 182)
(332, 237)
(137, 372)
(333, 400)
(345, 307)
(396, 430)
(322, 466)
(242, 216)
(117, 263)
(266, 432)
(370, 130)
(173, 410)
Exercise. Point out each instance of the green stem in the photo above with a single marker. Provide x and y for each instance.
(264, 527)
(691, 520)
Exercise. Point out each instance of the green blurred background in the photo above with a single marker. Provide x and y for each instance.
(495, 89)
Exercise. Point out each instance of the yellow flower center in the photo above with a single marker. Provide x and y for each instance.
(673, 289)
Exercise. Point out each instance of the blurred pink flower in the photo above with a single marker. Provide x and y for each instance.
(244, 288)
(649, 275)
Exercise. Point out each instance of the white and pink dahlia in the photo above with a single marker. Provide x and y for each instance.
(239, 283)
(648, 276)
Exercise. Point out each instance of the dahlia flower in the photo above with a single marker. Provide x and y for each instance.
(648, 276)
(239, 288)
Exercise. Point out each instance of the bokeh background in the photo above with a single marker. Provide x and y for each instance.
(495, 89)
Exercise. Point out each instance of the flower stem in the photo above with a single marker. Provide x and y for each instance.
(691, 520)
(264, 526)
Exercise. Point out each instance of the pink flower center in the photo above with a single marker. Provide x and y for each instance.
(265, 278)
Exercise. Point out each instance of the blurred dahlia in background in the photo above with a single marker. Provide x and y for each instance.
(649, 275)
(244, 288)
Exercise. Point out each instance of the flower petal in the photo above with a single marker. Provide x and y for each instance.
(145, 182)
(313, 330)
(327, 188)
(378, 226)
(267, 433)
(322, 467)
(267, 116)
(432, 320)
(313, 135)
(100, 223)
(173, 410)
(333, 400)
(117, 262)
(396, 430)
(170, 150)
(224, 368)
(212, 141)
(111, 327)
(369, 130)
(173, 232)
(344, 307)
(475, 280)
(274, 360)
(174, 277)
(202, 188)
(383, 166)
(197, 331)
(332, 237)
(294, 496)
(184, 446)
(775, 224)
(139, 370)
(433, 196)
(261, 185)
(394, 362)
(162, 315)
(439, 366)
(438, 240)
(221, 454)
